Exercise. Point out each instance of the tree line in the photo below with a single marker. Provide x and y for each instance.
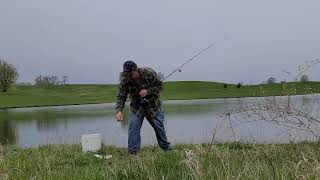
(9, 76)
(50, 80)
(272, 80)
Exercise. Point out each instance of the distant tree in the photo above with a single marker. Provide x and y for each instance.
(225, 85)
(8, 75)
(239, 85)
(64, 80)
(304, 78)
(160, 75)
(38, 80)
(54, 80)
(46, 80)
(271, 80)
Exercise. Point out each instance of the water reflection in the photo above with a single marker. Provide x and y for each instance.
(45, 124)
(7, 129)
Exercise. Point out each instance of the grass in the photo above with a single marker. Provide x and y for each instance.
(219, 161)
(28, 96)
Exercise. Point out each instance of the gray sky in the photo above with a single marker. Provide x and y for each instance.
(90, 40)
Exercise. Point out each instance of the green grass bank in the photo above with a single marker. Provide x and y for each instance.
(219, 161)
(28, 96)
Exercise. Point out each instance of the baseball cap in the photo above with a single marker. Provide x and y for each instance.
(128, 66)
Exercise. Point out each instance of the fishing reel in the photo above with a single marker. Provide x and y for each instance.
(143, 101)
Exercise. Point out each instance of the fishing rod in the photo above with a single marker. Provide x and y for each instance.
(144, 99)
(189, 60)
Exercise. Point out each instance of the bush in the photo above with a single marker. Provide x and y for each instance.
(8, 75)
(271, 80)
(304, 78)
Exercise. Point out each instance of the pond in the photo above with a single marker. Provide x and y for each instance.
(186, 121)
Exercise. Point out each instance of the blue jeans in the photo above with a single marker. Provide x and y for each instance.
(135, 123)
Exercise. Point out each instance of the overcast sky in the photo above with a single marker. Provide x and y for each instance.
(88, 40)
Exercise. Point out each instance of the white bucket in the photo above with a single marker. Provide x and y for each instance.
(91, 142)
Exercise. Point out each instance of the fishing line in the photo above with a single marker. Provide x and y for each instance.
(189, 60)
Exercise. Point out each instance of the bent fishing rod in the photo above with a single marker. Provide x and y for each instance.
(189, 60)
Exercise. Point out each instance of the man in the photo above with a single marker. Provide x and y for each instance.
(143, 86)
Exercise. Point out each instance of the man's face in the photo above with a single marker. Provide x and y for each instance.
(135, 74)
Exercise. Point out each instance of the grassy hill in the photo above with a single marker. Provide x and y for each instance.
(26, 96)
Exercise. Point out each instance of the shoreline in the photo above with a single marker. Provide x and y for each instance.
(92, 103)
(37, 96)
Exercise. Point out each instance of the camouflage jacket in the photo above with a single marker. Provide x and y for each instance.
(150, 82)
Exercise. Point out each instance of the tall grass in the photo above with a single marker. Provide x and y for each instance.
(221, 161)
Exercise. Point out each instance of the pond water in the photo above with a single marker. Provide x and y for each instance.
(186, 121)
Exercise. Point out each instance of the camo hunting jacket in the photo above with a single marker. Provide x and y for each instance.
(149, 81)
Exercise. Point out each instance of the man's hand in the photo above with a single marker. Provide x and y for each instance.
(143, 93)
(119, 116)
